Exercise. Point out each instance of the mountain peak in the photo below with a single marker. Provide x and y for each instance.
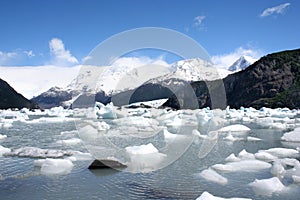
(242, 63)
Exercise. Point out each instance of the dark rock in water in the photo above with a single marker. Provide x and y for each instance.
(106, 164)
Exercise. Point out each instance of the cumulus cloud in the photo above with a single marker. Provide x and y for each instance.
(226, 60)
(275, 10)
(61, 56)
(7, 57)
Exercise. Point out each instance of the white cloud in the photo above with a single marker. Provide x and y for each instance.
(29, 53)
(226, 60)
(61, 56)
(198, 22)
(7, 57)
(275, 10)
(33, 80)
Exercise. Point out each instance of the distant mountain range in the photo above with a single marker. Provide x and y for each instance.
(9, 98)
(272, 81)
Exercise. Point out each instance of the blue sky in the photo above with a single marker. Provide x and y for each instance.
(63, 32)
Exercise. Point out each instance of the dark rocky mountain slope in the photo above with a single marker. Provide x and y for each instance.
(273, 81)
(9, 98)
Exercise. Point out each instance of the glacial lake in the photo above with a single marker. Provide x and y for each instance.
(21, 178)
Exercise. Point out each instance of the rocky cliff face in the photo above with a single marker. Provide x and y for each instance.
(9, 98)
(273, 81)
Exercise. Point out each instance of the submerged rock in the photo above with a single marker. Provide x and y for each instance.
(106, 164)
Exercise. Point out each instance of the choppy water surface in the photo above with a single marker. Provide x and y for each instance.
(21, 178)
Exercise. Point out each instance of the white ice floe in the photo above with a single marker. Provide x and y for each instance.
(34, 152)
(249, 138)
(206, 196)
(244, 155)
(3, 137)
(105, 111)
(169, 137)
(144, 158)
(266, 187)
(213, 176)
(265, 156)
(232, 158)
(234, 128)
(88, 132)
(293, 136)
(50, 166)
(71, 141)
(277, 169)
(282, 152)
(243, 165)
(296, 179)
(142, 149)
(50, 120)
(4, 150)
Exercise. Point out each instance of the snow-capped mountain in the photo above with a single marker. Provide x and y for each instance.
(112, 80)
(193, 70)
(242, 63)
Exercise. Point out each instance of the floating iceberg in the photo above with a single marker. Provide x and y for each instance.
(282, 152)
(4, 150)
(267, 187)
(213, 176)
(243, 165)
(50, 166)
(72, 141)
(2, 137)
(144, 158)
(34, 152)
(293, 136)
(234, 128)
(207, 196)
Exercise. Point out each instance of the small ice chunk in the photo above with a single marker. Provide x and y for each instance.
(206, 196)
(213, 176)
(105, 111)
(35, 152)
(293, 136)
(144, 158)
(232, 158)
(169, 137)
(262, 155)
(4, 150)
(282, 152)
(142, 149)
(244, 155)
(235, 128)
(277, 169)
(230, 137)
(249, 138)
(50, 166)
(2, 137)
(243, 165)
(72, 141)
(296, 179)
(266, 187)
